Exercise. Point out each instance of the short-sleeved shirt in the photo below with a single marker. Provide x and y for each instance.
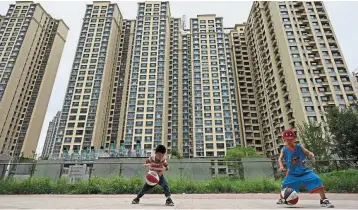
(295, 161)
(157, 165)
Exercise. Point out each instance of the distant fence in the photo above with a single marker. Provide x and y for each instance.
(195, 169)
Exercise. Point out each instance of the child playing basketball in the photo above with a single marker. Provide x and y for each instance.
(159, 165)
(297, 172)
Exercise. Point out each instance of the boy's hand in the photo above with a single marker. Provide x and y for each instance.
(282, 169)
(311, 155)
(145, 165)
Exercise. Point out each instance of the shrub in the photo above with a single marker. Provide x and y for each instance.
(339, 182)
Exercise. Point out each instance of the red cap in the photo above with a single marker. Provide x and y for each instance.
(288, 135)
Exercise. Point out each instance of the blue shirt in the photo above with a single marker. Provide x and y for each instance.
(295, 160)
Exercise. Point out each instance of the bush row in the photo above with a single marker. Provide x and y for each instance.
(338, 182)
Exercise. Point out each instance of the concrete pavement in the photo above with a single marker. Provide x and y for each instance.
(182, 201)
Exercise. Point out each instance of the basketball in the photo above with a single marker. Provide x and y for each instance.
(152, 178)
(289, 196)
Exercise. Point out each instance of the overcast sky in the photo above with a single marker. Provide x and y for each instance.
(343, 16)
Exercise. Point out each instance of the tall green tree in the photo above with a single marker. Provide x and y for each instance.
(176, 154)
(316, 138)
(236, 154)
(343, 125)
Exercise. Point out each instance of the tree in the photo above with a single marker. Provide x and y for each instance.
(316, 138)
(343, 125)
(176, 154)
(234, 155)
(237, 153)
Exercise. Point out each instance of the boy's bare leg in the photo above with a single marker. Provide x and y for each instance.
(324, 201)
(322, 193)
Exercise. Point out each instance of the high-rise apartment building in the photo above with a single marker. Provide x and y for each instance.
(51, 136)
(297, 66)
(250, 127)
(86, 109)
(214, 104)
(139, 83)
(175, 106)
(186, 98)
(117, 114)
(31, 44)
(1, 19)
(146, 115)
(354, 79)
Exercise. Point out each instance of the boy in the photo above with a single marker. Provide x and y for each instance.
(159, 165)
(298, 173)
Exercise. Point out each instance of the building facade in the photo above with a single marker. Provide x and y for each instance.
(296, 65)
(146, 117)
(354, 79)
(117, 114)
(1, 19)
(175, 105)
(204, 89)
(31, 44)
(214, 104)
(86, 108)
(51, 136)
(250, 128)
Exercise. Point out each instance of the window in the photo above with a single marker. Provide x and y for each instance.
(291, 40)
(304, 90)
(299, 72)
(312, 118)
(309, 108)
(307, 99)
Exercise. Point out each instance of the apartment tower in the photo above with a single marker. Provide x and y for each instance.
(175, 106)
(186, 98)
(118, 107)
(51, 136)
(1, 19)
(297, 66)
(214, 105)
(86, 109)
(250, 127)
(31, 44)
(354, 79)
(146, 116)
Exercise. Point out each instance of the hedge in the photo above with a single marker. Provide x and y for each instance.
(337, 182)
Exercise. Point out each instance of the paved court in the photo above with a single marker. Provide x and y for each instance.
(182, 201)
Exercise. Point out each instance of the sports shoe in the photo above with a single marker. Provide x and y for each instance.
(135, 201)
(281, 201)
(325, 203)
(169, 202)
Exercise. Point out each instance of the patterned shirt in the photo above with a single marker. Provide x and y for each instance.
(295, 160)
(158, 166)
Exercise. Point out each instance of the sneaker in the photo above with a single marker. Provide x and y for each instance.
(281, 201)
(169, 202)
(135, 201)
(325, 203)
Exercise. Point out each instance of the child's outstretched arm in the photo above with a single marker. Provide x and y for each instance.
(147, 162)
(307, 152)
(166, 165)
(280, 162)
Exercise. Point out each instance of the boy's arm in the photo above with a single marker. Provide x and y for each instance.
(147, 162)
(166, 165)
(307, 152)
(280, 159)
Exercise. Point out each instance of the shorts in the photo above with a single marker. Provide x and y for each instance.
(310, 180)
